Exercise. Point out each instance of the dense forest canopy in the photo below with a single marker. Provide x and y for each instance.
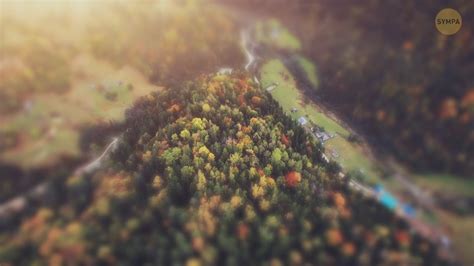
(211, 173)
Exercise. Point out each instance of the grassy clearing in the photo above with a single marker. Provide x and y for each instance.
(351, 157)
(322, 120)
(310, 70)
(286, 93)
(49, 129)
(272, 33)
(461, 229)
(446, 184)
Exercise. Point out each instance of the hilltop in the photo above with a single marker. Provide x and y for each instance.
(212, 172)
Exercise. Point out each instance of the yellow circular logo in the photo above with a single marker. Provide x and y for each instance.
(448, 21)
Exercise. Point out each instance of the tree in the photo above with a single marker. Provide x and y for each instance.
(292, 179)
(276, 156)
(185, 134)
(170, 156)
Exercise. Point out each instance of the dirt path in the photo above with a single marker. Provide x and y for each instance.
(19, 203)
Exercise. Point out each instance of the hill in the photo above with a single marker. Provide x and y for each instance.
(211, 172)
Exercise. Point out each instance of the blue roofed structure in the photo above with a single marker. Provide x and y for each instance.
(388, 200)
(302, 121)
(385, 198)
(409, 210)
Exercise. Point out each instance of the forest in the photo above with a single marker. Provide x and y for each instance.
(211, 173)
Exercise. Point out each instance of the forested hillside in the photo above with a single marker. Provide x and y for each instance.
(233, 132)
(211, 172)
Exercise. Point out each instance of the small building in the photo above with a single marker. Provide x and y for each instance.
(270, 88)
(386, 198)
(302, 120)
(388, 201)
(225, 71)
(408, 210)
(322, 136)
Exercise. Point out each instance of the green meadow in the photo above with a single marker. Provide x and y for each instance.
(349, 155)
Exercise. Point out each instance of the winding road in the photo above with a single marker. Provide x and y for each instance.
(19, 203)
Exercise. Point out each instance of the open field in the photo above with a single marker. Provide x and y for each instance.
(286, 92)
(48, 127)
(72, 65)
(272, 33)
(310, 70)
(447, 184)
(351, 157)
(461, 229)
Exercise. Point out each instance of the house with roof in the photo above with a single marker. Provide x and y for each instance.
(225, 71)
(302, 120)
